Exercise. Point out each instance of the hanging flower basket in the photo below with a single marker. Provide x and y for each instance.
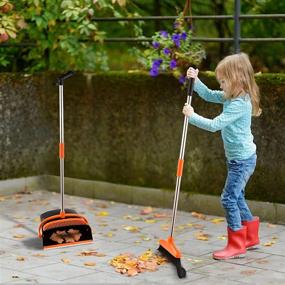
(173, 51)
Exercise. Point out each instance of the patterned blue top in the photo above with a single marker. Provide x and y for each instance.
(234, 122)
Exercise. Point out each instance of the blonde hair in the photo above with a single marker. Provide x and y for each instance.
(238, 72)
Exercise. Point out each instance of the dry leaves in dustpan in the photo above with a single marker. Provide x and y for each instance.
(131, 265)
(66, 236)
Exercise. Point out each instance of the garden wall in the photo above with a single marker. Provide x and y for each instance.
(126, 128)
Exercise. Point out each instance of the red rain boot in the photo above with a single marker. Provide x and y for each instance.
(252, 238)
(235, 247)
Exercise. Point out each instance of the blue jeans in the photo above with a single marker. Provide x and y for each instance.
(232, 198)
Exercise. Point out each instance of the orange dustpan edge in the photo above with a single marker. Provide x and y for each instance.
(170, 247)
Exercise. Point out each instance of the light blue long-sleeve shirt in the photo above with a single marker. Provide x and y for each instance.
(234, 122)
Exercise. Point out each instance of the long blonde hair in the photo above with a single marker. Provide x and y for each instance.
(238, 72)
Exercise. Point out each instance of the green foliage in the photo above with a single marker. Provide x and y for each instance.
(64, 34)
(173, 52)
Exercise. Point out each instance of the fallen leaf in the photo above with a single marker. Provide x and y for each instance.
(91, 253)
(269, 243)
(39, 255)
(109, 234)
(159, 216)
(65, 260)
(248, 272)
(217, 220)
(262, 261)
(194, 260)
(150, 221)
(199, 216)
(89, 263)
(132, 229)
(102, 205)
(102, 214)
(202, 236)
(146, 211)
(271, 225)
(19, 236)
(224, 237)
(21, 258)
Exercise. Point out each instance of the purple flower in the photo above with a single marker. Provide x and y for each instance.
(183, 36)
(172, 64)
(164, 34)
(166, 51)
(155, 44)
(176, 39)
(156, 63)
(153, 72)
(182, 79)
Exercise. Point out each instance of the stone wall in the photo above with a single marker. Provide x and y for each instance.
(126, 128)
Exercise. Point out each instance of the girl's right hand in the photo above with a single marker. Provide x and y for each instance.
(192, 73)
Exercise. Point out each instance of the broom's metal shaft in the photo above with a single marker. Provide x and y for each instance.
(181, 156)
(61, 145)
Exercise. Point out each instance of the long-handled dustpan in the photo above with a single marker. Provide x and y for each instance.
(167, 247)
(63, 227)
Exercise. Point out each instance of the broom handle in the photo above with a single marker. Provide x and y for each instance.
(181, 155)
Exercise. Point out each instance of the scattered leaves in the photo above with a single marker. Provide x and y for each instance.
(62, 236)
(131, 265)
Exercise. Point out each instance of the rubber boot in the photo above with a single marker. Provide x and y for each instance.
(252, 239)
(235, 247)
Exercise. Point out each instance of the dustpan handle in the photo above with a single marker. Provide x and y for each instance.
(61, 135)
(181, 155)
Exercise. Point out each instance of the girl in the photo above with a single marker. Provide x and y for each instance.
(240, 99)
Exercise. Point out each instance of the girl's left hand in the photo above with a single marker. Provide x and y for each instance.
(187, 110)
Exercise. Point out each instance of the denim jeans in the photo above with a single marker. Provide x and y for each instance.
(233, 196)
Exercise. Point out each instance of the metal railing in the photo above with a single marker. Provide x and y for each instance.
(236, 39)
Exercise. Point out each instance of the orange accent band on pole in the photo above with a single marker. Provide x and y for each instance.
(180, 167)
(61, 150)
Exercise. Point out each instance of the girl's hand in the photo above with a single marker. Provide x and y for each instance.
(193, 73)
(188, 110)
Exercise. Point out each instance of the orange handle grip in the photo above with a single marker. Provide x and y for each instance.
(61, 150)
(180, 167)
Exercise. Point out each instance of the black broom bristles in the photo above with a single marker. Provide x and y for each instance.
(181, 272)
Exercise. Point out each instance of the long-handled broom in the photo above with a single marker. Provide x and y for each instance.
(167, 247)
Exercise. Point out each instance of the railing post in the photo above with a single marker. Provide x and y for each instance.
(237, 27)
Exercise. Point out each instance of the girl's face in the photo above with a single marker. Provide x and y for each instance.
(223, 85)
